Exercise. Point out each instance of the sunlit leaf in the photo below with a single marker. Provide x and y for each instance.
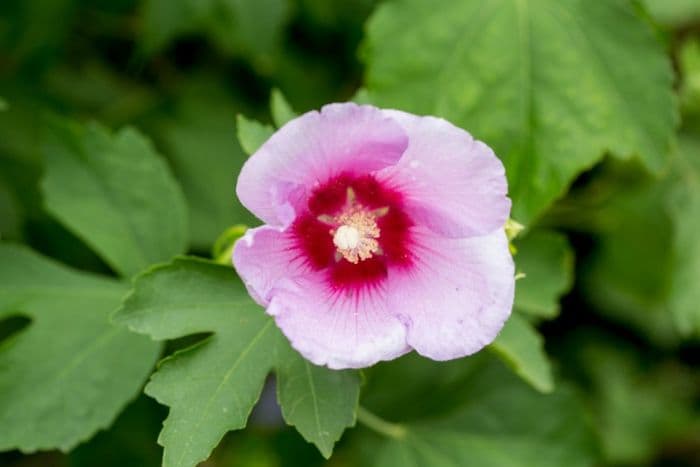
(212, 386)
(552, 85)
(252, 134)
(282, 111)
(522, 348)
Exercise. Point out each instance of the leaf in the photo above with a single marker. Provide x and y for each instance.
(199, 139)
(689, 89)
(115, 193)
(70, 372)
(626, 274)
(642, 405)
(320, 402)
(684, 209)
(3, 105)
(212, 386)
(239, 27)
(500, 422)
(547, 261)
(282, 111)
(134, 432)
(10, 213)
(551, 85)
(673, 12)
(522, 348)
(252, 134)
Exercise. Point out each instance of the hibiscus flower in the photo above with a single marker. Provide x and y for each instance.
(384, 232)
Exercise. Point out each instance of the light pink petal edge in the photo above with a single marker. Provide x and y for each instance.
(457, 296)
(307, 151)
(452, 183)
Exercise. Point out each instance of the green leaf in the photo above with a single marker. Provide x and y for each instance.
(199, 139)
(522, 349)
(547, 261)
(626, 274)
(251, 28)
(70, 372)
(642, 405)
(684, 209)
(550, 85)
(212, 386)
(3, 104)
(10, 213)
(319, 402)
(252, 134)
(222, 250)
(689, 64)
(282, 111)
(500, 422)
(673, 12)
(115, 193)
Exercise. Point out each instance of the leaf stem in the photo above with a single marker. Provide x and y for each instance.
(372, 421)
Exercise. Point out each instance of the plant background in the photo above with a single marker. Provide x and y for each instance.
(609, 189)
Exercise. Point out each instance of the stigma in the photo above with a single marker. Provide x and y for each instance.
(355, 231)
(355, 238)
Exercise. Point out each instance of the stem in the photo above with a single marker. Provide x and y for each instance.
(372, 421)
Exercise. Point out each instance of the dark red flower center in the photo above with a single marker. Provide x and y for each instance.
(355, 229)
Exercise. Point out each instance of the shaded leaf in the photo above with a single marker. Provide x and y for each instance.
(639, 403)
(69, 373)
(547, 261)
(500, 422)
(673, 12)
(115, 193)
(250, 28)
(199, 139)
(684, 209)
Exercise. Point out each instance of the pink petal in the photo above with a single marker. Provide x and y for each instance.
(458, 294)
(453, 184)
(350, 329)
(262, 257)
(312, 148)
(337, 329)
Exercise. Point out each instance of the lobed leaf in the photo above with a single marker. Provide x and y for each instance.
(551, 85)
(69, 373)
(212, 386)
(115, 193)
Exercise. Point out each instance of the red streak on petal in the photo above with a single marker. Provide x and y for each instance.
(314, 240)
(344, 275)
